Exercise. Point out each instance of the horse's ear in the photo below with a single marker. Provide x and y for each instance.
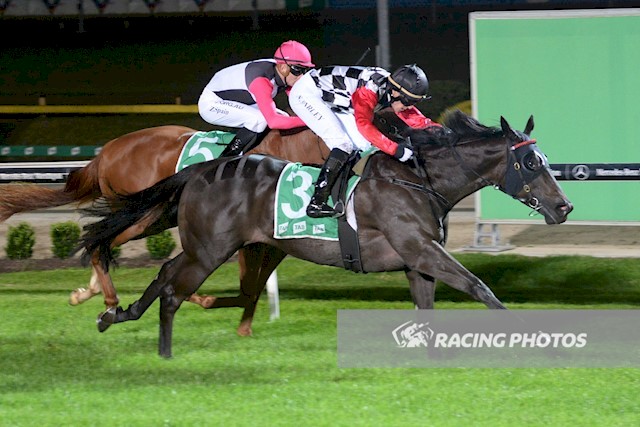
(506, 129)
(529, 127)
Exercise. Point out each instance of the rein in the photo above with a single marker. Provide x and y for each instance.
(420, 187)
(426, 186)
(511, 189)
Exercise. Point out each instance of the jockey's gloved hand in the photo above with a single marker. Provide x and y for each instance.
(403, 152)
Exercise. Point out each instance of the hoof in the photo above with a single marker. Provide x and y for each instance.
(106, 319)
(77, 297)
(244, 331)
(203, 301)
(73, 299)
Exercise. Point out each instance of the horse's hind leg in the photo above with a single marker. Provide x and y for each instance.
(188, 277)
(138, 307)
(80, 295)
(169, 304)
(100, 279)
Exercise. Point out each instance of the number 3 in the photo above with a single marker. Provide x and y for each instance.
(300, 191)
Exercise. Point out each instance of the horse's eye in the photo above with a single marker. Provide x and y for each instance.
(532, 161)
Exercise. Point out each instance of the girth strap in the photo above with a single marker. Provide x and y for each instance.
(348, 237)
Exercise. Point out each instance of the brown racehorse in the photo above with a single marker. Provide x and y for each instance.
(131, 163)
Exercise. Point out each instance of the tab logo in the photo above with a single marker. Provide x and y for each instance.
(300, 227)
(319, 229)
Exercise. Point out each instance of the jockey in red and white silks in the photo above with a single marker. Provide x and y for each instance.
(338, 104)
(242, 95)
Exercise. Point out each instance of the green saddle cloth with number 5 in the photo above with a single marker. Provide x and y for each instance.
(202, 147)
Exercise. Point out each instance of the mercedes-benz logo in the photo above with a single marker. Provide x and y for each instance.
(580, 172)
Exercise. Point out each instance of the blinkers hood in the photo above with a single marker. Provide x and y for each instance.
(527, 162)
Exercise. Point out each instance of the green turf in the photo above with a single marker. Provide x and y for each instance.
(56, 369)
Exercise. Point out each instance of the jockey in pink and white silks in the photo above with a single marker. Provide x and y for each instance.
(338, 104)
(242, 95)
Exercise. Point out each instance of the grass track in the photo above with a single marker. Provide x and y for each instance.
(56, 369)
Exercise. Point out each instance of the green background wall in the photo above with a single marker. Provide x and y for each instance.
(578, 73)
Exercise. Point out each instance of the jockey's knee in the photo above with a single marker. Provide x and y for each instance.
(342, 145)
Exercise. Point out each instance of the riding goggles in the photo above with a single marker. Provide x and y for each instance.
(298, 70)
(407, 102)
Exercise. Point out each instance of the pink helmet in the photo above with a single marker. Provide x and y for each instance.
(293, 53)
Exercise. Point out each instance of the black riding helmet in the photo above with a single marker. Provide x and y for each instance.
(411, 82)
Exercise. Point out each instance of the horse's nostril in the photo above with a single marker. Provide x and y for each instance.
(566, 208)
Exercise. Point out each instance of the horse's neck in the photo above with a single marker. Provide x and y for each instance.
(453, 173)
(472, 165)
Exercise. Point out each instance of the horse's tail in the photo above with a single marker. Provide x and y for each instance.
(81, 186)
(123, 211)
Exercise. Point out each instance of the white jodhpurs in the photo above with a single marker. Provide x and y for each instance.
(218, 111)
(337, 130)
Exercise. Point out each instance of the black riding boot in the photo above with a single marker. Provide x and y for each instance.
(318, 207)
(243, 139)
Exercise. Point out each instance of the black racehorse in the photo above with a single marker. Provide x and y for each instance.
(227, 204)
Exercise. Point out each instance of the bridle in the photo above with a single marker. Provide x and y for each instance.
(518, 176)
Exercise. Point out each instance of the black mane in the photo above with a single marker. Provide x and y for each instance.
(457, 125)
(466, 126)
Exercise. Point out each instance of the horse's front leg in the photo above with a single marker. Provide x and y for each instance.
(249, 263)
(169, 304)
(267, 258)
(436, 262)
(422, 288)
(256, 263)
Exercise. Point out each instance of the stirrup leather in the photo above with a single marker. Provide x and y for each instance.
(323, 210)
(233, 149)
